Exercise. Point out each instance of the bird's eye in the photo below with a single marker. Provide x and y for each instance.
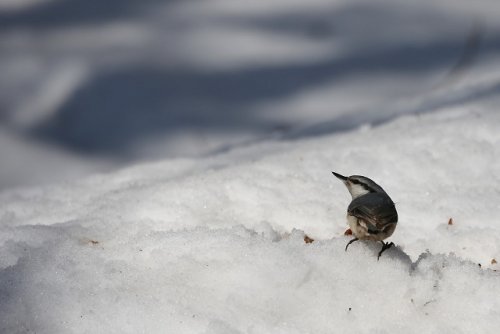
(354, 181)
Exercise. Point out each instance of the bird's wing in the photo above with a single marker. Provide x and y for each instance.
(375, 209)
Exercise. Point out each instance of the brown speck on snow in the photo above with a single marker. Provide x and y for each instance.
(308, 240)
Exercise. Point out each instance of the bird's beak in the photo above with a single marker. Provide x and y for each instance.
(342, 177)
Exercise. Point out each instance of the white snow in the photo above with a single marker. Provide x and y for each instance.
(216, 245)
(190, 78)
(264, 100)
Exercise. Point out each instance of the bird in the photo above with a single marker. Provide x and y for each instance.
(371, 214)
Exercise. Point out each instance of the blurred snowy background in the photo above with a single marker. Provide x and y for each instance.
(91, 86)
(162, 161)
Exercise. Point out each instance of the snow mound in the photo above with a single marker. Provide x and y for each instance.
(236, 280)
(216, 245)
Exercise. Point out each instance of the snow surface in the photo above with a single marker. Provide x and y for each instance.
(248, 107)
(216, 244)
(104, 84)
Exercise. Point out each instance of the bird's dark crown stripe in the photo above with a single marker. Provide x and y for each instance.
(367, 187)
(370, 189)
(364, 185)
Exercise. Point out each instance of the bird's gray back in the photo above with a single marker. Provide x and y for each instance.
(375, 208)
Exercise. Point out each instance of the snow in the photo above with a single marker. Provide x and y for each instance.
(119, 82)
(129, 208)
(216, 244)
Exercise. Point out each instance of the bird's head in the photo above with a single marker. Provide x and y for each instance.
(359, 185)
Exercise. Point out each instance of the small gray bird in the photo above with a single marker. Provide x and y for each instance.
(372, 214)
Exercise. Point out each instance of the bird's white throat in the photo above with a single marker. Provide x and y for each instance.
(357, 190)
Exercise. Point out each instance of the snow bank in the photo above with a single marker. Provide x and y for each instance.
(123, 81)
(216, 245)
(234, 280)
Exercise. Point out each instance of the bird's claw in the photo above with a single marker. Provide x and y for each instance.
(386, 246)
(350, 242)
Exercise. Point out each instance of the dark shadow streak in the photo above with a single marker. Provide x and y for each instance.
(67, 13)
(117, 109)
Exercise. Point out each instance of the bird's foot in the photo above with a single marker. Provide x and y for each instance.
(385, 246)
(350, 242)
